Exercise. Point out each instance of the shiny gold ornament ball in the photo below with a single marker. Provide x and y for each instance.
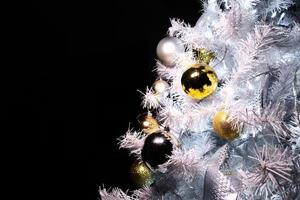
(199, 81)
(140, 174)
(223, 126)
(148, 123)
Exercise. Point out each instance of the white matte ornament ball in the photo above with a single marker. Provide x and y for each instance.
(167, 49)
(160, 86)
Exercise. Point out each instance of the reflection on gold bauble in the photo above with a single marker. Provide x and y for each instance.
(140, 174)
(148, 123)
(199, 81)
(223, 126)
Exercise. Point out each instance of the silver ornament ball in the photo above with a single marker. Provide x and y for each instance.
(160, 86)
(167, 49)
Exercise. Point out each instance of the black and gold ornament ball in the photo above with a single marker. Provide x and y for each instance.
(199, 81)
(157, 147)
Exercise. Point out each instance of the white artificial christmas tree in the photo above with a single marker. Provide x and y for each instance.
(227, 100)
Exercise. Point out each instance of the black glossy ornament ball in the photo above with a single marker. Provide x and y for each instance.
(156, 149)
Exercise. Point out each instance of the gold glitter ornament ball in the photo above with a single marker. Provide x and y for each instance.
(140, 174)
(202, 55)
(223, 126)
(199, 81)
(148, 123)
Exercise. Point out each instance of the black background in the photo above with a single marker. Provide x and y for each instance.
(72, 89)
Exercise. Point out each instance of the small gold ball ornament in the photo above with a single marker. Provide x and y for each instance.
(140, 174)
(199, 81)
(223, 126)
(148, 123)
